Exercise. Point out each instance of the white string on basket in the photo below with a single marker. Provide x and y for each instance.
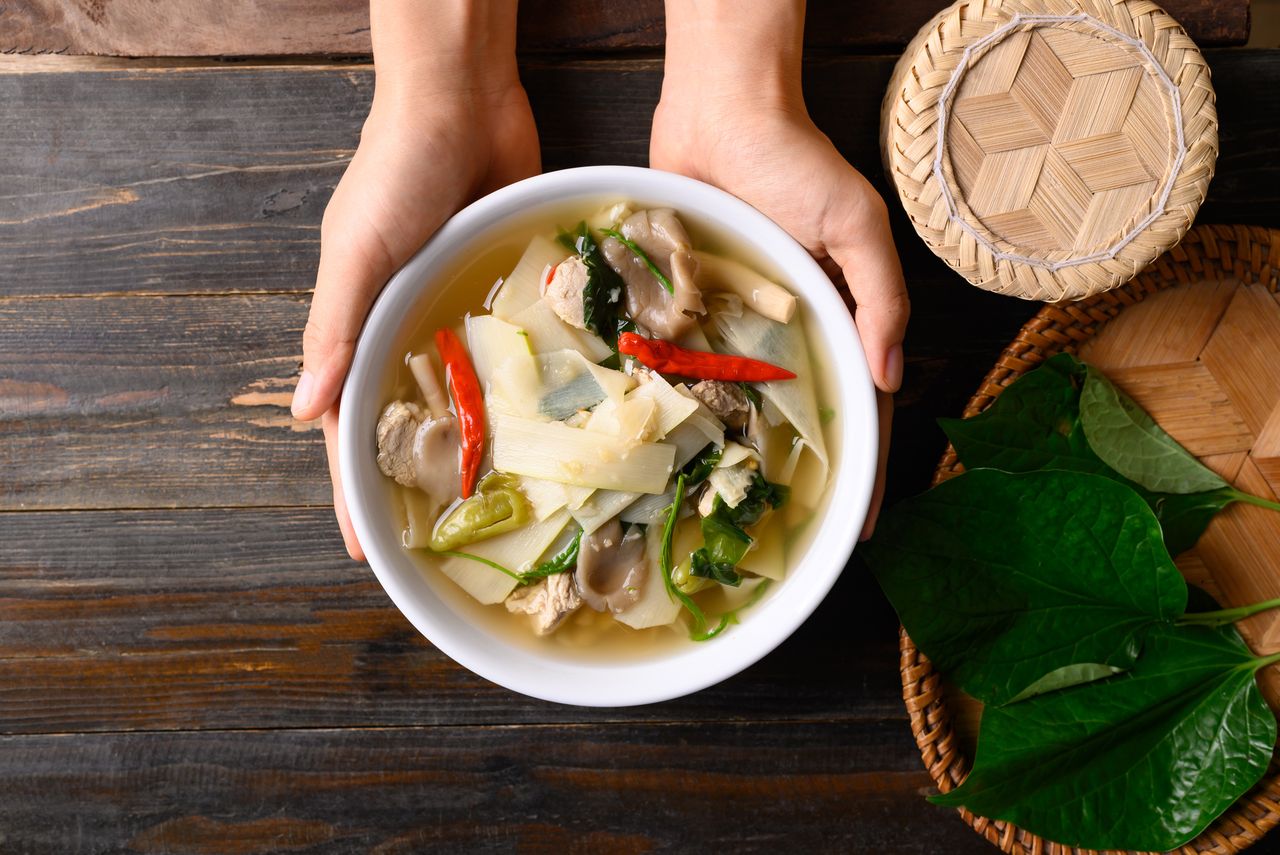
(1019, 21)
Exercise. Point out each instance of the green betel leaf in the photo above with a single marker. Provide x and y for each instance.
(1032, 425)
(1129, 441)
(1144, 760)
(1001, 579)
(1035, 424)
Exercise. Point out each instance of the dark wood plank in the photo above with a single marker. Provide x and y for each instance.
(201, 619)
(293, 27)
(718, 787)
(154, 402)
(213, 180)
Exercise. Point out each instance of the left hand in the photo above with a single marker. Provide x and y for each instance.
(766, 151)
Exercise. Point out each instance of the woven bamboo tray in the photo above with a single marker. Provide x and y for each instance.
(1050, 149)
(1195, 339)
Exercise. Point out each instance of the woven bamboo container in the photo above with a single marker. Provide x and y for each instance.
(1050, 149)
(1195, 339)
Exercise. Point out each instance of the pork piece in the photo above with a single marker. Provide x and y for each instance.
(549, 601)
(611, 567)
(397, 427)
(726, 400)
(419, 450)
(662, 237)
(564, 291)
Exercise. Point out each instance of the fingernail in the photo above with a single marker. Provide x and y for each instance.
(302, 394)
(892, 368)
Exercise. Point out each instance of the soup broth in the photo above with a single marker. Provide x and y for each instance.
(778, 539)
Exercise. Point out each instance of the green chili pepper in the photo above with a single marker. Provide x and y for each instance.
(495, 508)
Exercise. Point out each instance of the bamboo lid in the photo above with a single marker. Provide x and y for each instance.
(1050, 149)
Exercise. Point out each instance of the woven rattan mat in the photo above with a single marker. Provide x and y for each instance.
(1195, 339)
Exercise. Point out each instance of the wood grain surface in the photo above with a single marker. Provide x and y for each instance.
(255, 617)
(296, 27)
(714, 786)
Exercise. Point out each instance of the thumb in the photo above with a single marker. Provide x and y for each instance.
(858, 238)
(352, 271)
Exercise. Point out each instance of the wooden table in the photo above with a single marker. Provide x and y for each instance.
(188, 661)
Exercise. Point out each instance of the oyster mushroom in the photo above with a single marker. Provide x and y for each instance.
(663, 238)
(418, 446)
(611, 567)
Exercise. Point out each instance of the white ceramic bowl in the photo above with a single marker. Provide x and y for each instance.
(550, 674)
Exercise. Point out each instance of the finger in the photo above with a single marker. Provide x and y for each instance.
(329, 424)
(352, 271)
(884, 410)
(860, 241)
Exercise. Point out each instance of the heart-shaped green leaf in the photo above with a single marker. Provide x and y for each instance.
(1035, 424)
(1128, 440)
(1002, 579)
(1144, 760)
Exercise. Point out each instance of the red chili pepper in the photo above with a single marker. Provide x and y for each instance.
(668, 358)
(468, 400)
(551, 274)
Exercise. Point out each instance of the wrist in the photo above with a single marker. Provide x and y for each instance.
(719, 52)
(461, 50)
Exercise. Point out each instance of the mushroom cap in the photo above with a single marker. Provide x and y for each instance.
(611, 567)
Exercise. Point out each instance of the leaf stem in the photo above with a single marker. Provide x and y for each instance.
(643, 256)
(1249, 498)
(495, 565)
(1264, 661)
(1226, 616)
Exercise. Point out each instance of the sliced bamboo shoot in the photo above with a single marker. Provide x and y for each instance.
(517, 551)
(582, 458)
(548, 333)
(765, 296)
(523, 287)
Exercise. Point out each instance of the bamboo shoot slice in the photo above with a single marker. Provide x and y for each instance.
(523, 287)
(581, 458)
(516, 550)
(492, 342)
(673, 407)
(763, 295)
(780, 344)
(548, 333)
(656, 607)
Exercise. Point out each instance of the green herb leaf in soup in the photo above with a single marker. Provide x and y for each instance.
(1035, 425)
(1128, 440)
(605, 292)
(1145, 760)
(1001, 579)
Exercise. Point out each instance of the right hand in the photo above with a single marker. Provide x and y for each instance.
(424, 153)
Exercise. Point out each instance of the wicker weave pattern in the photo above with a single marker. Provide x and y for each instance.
(1249, 254)
(1061, 173)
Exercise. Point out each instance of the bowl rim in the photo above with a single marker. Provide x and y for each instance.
(692, 667)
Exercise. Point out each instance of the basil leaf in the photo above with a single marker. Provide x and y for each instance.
(1001, 579)
(724, 540)
(1145, 760)
(605, 292)
(697, 469)
(565, 561)
(723, 572)
(1035, 424)
(1128, 440)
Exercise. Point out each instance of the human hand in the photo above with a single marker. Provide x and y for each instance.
(439, 134)
(731, 117)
